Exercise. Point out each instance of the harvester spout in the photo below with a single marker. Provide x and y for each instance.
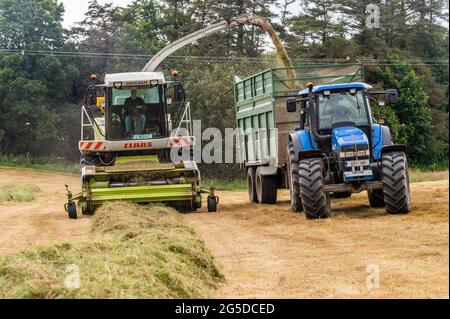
(246, 19)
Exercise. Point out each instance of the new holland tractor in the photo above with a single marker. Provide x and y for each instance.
(129, 150)
(339, 149)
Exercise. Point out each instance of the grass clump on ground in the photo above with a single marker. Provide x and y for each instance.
(18, 193)
(134, 252)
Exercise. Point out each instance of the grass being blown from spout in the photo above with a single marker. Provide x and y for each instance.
(283, 59)
(134, 252)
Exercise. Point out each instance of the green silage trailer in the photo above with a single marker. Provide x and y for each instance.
(264, 124)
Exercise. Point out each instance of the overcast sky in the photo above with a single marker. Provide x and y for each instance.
(75, 9)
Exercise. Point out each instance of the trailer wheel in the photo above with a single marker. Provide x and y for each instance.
(212, 204)
(251, 185)
(395, 178)
(292, 171)
(316, 202)
(71, 209)
(266, 188)
(376, 198)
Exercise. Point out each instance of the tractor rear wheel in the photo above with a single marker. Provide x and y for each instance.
(266, 188)
(316, 202)
(395, 178)
(376, 198)
(251, 185)
(292, 172)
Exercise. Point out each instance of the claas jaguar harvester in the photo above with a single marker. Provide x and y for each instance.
(319, 142)
(128, 145)
(132, 129)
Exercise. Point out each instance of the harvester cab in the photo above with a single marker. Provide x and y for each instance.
(130, 150)
(341, 149)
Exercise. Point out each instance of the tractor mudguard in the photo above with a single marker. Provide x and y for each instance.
(302, 141)
(393, 148)
(381, 136)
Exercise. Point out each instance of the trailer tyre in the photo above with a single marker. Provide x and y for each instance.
(395, 178)
(266, 188)
(376, 198)
(251, 185)
(316, 202)
(294, 188)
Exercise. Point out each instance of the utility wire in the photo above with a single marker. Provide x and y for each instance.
(104, 55)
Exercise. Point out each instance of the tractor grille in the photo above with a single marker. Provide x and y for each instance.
(355, 162)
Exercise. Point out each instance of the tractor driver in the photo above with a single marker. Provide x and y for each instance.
(339, 110)
(131, 111)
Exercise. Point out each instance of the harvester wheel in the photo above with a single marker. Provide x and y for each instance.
(266, 188)
(397, 197)
(294, 188)
(71, 210)
(251, 186)
(376, 198)
(316, 202)
(212, 204)
(87, 209)
(184, 207)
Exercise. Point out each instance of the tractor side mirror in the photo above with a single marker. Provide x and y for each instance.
(392, 95)
(291, 104)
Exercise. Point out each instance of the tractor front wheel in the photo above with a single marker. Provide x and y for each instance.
(395, 178)
(316, 202)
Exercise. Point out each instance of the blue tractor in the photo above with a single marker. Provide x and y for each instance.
(339, 149)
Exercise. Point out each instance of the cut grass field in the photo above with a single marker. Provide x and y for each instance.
(133, 252)
(18, 192)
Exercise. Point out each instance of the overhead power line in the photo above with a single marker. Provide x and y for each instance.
(206, 58)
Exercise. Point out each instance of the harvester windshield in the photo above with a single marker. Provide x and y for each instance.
(137, 113)
(342, 106)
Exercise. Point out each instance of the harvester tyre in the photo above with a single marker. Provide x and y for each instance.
(72, 210)
(212, 204)
(266, 188)
(395, 178)
(251, 186)
(316, 202)
(376, 198)
(292, 172)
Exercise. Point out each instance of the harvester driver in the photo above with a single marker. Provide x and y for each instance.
(131, 111)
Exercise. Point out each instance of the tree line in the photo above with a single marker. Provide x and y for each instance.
(44, 67)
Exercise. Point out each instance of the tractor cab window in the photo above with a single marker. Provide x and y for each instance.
(341, 106)
(136, 113)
